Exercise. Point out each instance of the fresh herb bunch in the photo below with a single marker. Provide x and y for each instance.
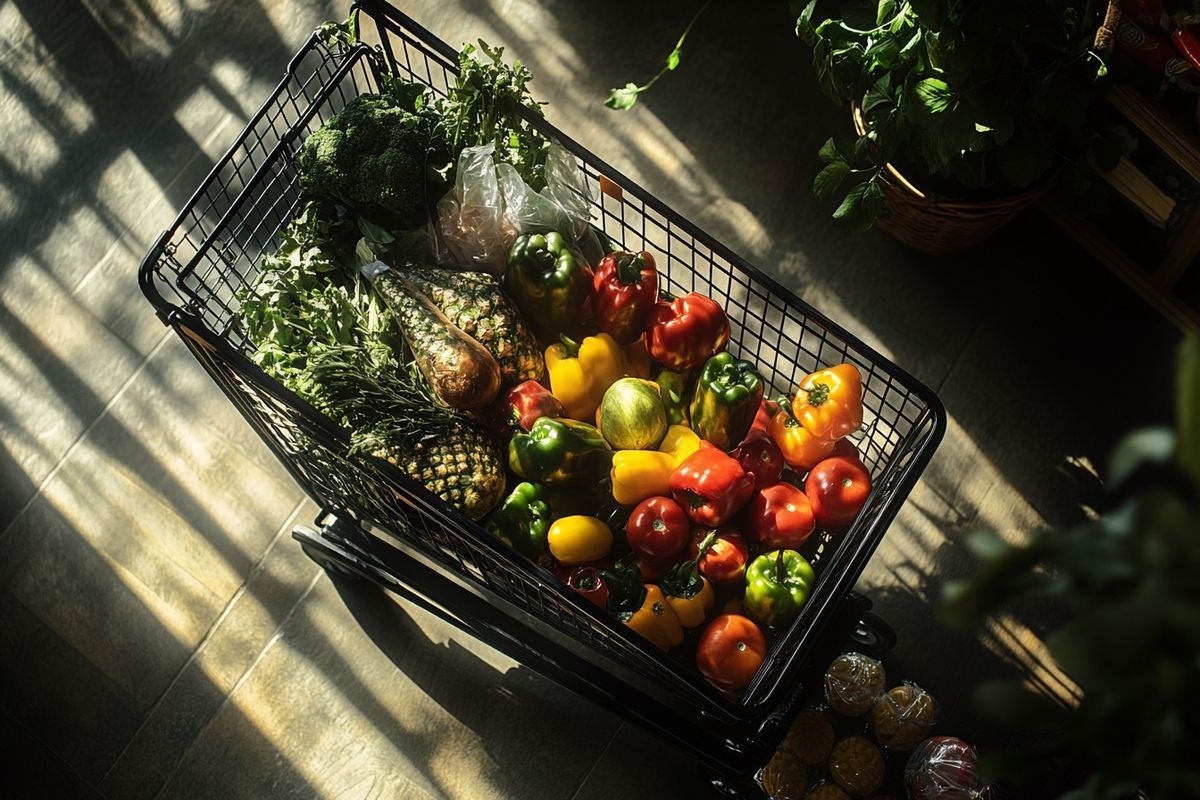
(485, 105)
(1130, 584)
(308, 302)
(981, 96)
(317, 327)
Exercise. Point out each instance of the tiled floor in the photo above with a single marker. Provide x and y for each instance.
(162, 636)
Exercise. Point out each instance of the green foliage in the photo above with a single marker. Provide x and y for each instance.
(1130, 582)
(626, 97)
(979, 95)
(489, 103)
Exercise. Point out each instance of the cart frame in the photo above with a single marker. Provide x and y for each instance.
(389, 529)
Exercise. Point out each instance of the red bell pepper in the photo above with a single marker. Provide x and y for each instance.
(624, 292)
(590, 583)
(685, 332)
(528, 402)
(710, 486)
(761, 457)
(766, 410)
(658, 530)
(780, 517)
(726, 558)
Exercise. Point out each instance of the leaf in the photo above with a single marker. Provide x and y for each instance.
(624, 98)
(861, 207)
(1024, 161)
(804, 26)
(829, 152)
(1150, 446)
(878, 95)
(886, 9)
(374, 234)
(884, 50)
(673, 59)
(829, 179)
(933, 96)
(1187, 403)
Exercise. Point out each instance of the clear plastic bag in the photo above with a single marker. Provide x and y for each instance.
(853, 683)
(903, 716)
(943, 768)
(470, 218)
(491, 205)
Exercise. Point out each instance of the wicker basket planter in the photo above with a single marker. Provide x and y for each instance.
(940, 225)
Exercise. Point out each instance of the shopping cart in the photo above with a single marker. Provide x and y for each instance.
(379, 524)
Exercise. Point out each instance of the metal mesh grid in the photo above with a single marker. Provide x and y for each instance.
(214, 248)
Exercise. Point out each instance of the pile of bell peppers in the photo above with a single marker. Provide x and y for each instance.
(704, 540)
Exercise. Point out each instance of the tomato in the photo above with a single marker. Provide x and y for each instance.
(726, 559)
(845, 447)
(779, 517)
(760, 456)
(837, 488)
(652, 570)
(730, 651)
(658, 529)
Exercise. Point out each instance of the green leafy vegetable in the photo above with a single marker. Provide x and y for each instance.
(490, 102)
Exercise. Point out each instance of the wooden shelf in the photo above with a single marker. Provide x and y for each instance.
(1092, 239)
(1154, 282)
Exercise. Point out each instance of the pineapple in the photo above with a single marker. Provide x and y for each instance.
(394, 418)
(474, 302)
(463, 467)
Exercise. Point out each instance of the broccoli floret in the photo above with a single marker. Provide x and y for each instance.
(372, 157)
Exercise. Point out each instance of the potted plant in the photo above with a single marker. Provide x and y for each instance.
(964, 110)
(1128, 583)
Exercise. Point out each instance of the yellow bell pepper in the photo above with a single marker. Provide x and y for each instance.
(691, 611)
(638, 474)
(579, 539)
(580, 373)
(655, 620)
(637, 360)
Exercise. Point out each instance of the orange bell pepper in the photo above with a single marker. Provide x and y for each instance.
(828, 402)
(800, 448)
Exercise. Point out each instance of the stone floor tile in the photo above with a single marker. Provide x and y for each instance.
(35, 772)
(392, 704)
(231, 648)
(59, 696)
(59, 368)
(638, 765)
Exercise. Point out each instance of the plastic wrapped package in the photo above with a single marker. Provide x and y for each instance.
(491, 205)
(903, 716)
(471, 220)
(827, 791)
(857, 766)
(853, 683)
(944, 768)
(785, 777)
(811, 737)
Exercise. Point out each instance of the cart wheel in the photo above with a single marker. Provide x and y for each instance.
(331, 567)
(872, 635)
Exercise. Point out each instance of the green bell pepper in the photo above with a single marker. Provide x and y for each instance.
(560, 451)
(673, 387)
(777, 586)
(725, 400)
(523, 520)
(548, 282)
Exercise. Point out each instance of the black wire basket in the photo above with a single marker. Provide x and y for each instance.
(194, 272)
